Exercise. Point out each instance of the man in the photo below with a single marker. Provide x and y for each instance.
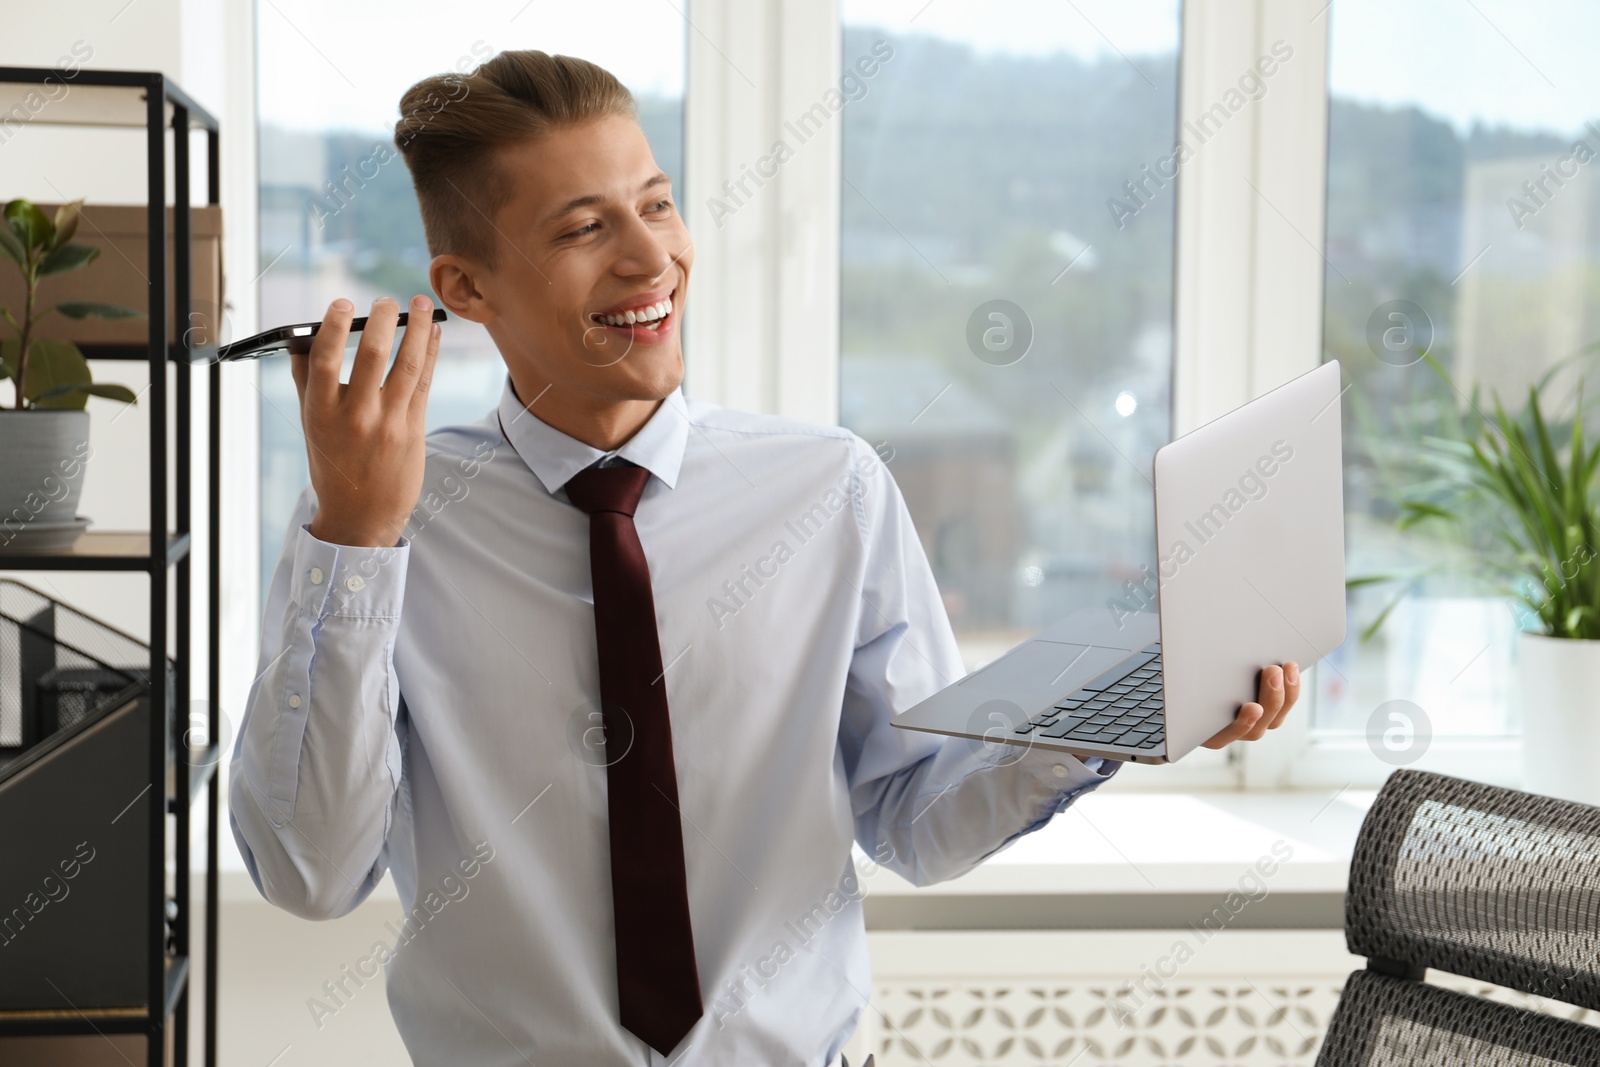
(606, 679)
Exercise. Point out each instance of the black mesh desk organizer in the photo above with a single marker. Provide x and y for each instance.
(1483, 882)
(57, 665)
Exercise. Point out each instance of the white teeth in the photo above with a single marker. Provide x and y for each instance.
(652, 313)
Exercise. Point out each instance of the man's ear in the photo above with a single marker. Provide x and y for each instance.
(455, 280)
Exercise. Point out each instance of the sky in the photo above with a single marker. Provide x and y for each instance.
(319, 71)
(314, 75)
(1529, 63)
(1087, 29)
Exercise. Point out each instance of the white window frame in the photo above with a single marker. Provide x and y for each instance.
(1250, 292)
(764, 327)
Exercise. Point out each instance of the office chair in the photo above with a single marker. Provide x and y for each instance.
(1483, 882)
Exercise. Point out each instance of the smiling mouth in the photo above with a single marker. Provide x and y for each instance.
(647, 316)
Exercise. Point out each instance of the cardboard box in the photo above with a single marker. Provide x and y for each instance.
(118, 276)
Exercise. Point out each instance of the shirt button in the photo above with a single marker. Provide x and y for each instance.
(354, 583)
(316, 575)
(1059, 770)
(294, 700)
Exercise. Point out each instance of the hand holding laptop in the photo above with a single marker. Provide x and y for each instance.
(1280, 688)
(1249, 519)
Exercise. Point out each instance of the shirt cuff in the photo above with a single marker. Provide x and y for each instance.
(1062, 776)
(346, 580)
(1062, 771)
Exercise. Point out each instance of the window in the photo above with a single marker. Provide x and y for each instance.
(338, 216)
(1006, 283)
(1463, 216)
(1011, 334)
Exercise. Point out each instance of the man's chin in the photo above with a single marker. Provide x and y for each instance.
(662, 376)
(663, 388)
(651, 383)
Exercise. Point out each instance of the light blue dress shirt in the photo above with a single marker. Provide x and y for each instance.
(430, 709)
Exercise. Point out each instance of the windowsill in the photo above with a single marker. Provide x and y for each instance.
(1157, 861)
(1113, 845)
(1193, 842)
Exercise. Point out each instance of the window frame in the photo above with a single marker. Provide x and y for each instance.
(764, 326)
(1248, 287)
(762, 333)
(1286, 291)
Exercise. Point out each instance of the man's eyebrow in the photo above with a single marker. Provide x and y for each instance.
(659, 178)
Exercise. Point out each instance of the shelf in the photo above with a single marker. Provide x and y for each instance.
(74, 1020)
(199, 774)
(98, 551)
(103, 98)
(152, 102)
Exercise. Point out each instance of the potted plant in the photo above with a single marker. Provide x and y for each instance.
(44, 438)
(1522, 494)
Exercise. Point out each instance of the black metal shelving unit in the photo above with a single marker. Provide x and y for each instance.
(111, 99)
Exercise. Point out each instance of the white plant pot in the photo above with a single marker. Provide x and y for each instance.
(1559, 680)
(43, 455)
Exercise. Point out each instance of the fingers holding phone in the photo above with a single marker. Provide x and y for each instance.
(322, 387)
(364, 439)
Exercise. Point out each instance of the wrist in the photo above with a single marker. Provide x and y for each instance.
(338, 531)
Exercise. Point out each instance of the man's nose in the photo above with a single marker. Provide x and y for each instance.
(645, 251)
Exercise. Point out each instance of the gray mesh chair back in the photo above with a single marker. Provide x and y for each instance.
(1479, 881)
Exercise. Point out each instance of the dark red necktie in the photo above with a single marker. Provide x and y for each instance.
(658, 985)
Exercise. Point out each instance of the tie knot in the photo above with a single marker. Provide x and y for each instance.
(615, 489)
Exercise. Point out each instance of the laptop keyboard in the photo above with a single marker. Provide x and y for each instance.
(1121, 707)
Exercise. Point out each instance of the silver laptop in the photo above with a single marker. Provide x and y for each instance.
(1249, 512)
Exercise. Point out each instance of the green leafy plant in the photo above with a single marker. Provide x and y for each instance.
(1523, 492)
(47, 372)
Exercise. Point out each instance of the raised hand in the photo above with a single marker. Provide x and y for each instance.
(364, 439)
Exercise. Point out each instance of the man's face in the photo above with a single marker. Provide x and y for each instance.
(590, 232)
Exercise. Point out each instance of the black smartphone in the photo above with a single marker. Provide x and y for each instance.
(297, 338)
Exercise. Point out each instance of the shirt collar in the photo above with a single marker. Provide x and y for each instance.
(555, 457)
